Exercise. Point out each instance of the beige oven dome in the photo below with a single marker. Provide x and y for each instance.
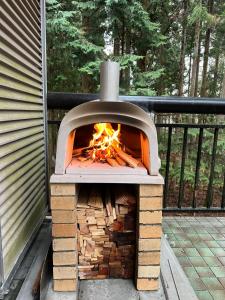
(108, 111)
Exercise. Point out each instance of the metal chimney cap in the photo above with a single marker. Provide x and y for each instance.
(109, 81)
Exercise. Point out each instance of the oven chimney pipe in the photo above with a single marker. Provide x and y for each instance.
(109, 81)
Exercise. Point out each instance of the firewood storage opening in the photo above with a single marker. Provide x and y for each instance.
(106, 224)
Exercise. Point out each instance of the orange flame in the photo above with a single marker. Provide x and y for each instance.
(103, 139)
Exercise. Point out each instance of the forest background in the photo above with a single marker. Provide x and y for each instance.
(164, 47)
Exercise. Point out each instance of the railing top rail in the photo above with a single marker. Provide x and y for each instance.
(164, 104)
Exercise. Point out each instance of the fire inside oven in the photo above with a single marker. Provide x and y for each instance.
(108, 147)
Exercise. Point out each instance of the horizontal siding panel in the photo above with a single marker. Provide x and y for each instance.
(16, 55)
(13, 64)
(15, 85)
(7, 40)
(12, 223)
(11, 137)
(35, 22)
(18, 31)
(35, 28)
(11, 148)
(20, 22)
(13, 250)
(20, 124)
(11, 169)
(19, 96)
(19, 154)
(17, 76)
(33, 10)
(20, 186)
(7, 28)
(19, 115)
(20, 105)
(20, 173)
(27, 197)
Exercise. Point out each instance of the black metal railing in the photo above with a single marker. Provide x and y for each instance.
(198, 154)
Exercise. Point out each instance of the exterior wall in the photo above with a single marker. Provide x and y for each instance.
(22, 129)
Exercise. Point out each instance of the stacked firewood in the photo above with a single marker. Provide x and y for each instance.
(106, 232)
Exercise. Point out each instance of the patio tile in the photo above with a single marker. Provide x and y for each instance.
(205, 252)
(222, 260)
(204, 271)
(184, 261)
(205, 236)
(197, 261)
(167, 230)
(222, 281)
(212, 261)
(212, 283)
(204, 295)
(185, 244)
(171, 236)
(179, 252)
(197, 284)
(222, 243)
(221, 229)
(218, 271)
(193, 237)
(181, 236)
(174, 244)
(212, 230)
(220, 252)
(177, 230)
(191, 272)
(218, 237)
(218, 294)
(190, 252)
(212, 244)
(200, 244)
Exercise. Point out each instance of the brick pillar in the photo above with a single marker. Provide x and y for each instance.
(64, 233)
(149, 236)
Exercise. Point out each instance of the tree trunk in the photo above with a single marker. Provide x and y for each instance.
(197, 68)
(222, 94)
(215, 75)
(195, 58)
(116, 46)
(183, 50)
(206, 54)
(189, 73)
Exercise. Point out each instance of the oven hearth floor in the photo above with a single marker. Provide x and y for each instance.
(95, 168)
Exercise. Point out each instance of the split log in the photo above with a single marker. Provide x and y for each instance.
(132, 162)
(112, 162)
(120, 161)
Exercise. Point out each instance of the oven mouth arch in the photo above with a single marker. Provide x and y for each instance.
(112, 112)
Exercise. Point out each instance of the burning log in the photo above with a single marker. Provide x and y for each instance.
(105, 147)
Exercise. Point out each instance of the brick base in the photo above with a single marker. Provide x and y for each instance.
(64, 233)
(149, 228)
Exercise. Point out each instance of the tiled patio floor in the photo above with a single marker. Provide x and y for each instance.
(199, 244)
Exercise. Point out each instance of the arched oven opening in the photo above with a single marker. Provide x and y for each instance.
(109, 148)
